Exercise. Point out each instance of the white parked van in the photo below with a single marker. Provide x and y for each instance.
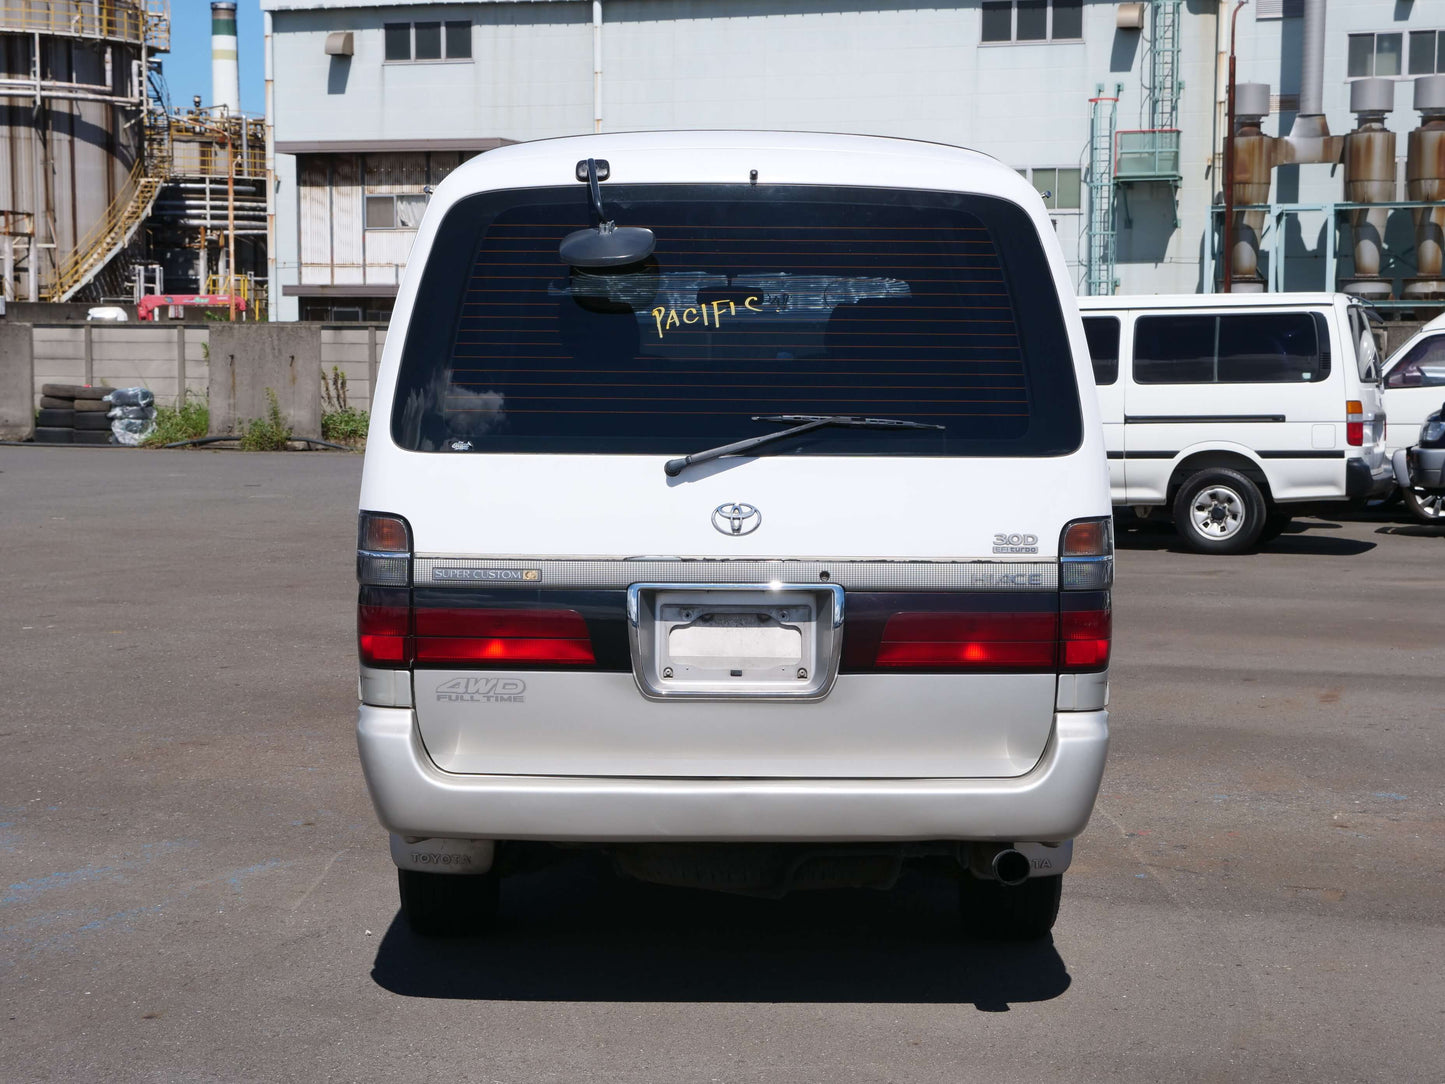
(735, 503)
(1233, 412)
(1414, 384)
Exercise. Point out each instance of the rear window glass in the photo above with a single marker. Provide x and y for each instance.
(1103, 335)
(929, 307)
(1231, 348)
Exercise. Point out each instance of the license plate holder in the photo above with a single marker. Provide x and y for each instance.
(735, 641)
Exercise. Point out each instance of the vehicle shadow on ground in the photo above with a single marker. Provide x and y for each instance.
(574, 932)
(1304, 537)
(1414, 530)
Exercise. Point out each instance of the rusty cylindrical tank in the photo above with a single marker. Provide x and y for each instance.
(1425, 180)
(1370, 178)
(1254, 154)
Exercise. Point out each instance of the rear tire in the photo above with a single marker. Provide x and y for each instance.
(1219, 511)
(45, 435)
(1000, 912)
(1429, 510)
(448, 904)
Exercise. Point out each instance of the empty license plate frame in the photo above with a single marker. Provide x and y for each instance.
(655, 611)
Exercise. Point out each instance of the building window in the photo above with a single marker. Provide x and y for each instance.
(1376, 55)
(402, 212)
(1427, 52)
(1033, 20)
(428, 41)
(1060, 188)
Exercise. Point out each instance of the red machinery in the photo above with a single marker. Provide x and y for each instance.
(151, 302)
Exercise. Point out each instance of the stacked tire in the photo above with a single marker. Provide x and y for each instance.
(73, 414)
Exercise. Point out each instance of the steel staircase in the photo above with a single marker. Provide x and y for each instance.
(118, 226)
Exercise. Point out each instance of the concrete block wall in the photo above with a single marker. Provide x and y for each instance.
(125, 357)
(355, 351)
(17, 414)
(59, 355)
(249, 361)
(132, 355)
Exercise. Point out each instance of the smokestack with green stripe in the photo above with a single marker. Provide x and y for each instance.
(225, 75)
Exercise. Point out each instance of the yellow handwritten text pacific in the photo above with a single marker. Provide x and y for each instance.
(667, 319)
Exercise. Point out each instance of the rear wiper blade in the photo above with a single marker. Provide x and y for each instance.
(808, 422)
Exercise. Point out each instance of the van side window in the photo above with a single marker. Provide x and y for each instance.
(1230, 348)
(1103, 335)
(1423, 367)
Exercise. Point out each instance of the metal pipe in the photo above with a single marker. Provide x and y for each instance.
(270, 167)
(597, 65)
(1011, 867)
(1312, 64)
(1229, 157)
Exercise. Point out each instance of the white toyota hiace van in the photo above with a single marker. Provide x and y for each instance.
(1234, 412)
(736, 504)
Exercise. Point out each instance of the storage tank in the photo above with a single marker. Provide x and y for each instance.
(72, 139)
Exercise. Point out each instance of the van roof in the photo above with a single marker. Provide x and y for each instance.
(723, 157)
(1213, 301)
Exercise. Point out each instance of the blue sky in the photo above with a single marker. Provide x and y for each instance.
(187, 66)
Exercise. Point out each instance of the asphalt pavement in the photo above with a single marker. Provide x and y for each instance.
(194, 887)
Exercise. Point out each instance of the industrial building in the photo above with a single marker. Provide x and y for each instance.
(107, 190)
(1118, 112)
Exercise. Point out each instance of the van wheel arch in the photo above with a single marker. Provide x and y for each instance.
(1192, 464)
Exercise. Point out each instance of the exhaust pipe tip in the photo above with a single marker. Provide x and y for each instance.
(1011, 867)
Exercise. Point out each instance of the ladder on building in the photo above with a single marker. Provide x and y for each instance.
(1099, 248)
(1164, 85)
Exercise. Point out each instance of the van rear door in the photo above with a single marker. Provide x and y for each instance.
(846, 603)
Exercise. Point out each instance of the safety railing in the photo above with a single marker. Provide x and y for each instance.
(1151, 154)
(113, 20)
(208, 158)
(240, 285)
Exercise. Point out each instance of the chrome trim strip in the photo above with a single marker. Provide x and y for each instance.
(601, 573)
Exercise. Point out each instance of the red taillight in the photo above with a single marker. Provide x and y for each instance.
(390, 634)
(1085, 635)
(382, 628)
(473, 649)
(502, 636)
(1354, 423)
(970, 641)
(1069, 642)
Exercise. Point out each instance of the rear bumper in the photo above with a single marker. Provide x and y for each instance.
(1362, 484)
(415, 798)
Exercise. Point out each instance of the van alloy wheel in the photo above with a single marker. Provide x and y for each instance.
(1219, 510)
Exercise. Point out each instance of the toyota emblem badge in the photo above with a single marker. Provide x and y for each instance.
(736, 519)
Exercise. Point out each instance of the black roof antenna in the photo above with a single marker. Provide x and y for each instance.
(605, 244)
